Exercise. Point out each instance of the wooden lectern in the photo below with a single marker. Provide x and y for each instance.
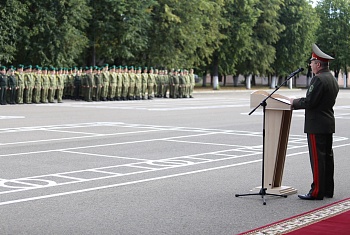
(278, 115)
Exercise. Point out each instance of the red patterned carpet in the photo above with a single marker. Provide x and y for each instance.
(330, 219)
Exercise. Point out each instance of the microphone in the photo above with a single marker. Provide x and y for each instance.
(295, 73)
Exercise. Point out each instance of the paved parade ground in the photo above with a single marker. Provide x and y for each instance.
(161, 166)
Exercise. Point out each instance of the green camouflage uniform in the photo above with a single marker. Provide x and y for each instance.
(20, 82)
(37, 87)
(52, 86)
(44, 86)
(112, 84)
(29, 85)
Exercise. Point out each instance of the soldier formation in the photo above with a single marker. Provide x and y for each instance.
(28, 84)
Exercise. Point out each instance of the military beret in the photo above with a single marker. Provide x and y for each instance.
(2, 67)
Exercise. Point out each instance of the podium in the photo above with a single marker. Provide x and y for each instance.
(277, 125)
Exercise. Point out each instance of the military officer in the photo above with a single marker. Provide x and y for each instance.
(3, 85)
(77, 85)
(12, 86)
(320, 124)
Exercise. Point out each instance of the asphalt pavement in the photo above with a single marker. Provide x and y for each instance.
(161, 166)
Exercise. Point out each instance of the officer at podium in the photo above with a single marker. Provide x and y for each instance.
(320, 125)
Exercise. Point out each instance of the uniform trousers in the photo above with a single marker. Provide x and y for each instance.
(322, 165)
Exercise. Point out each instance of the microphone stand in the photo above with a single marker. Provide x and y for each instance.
(263, 103)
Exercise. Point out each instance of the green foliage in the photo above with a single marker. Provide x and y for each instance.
(259, 37)
(293, 49)
(266, 33)
(333, 33)
(11, 17)
(241, 16)
(54, 32)
(119, 29)
(184, 33)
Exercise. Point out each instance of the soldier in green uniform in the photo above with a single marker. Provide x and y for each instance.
(83, 83)
(156, 81)
(138, 84)
(52, 85)
(192, 83)
(12, 86)
(105, 82)
(28, 85)
(72, 74)
(3, 85)
(187, 84)
(60, 76)
(97, 87)
(160, 84)
(174, 85)
(77, 85)
(132, 80)
(112, 83)
(182, 85)
(165, 83)
(125, 84)
(44, 85)
(150, 83)
(119, 87)
(89, 85)
(144, 78)
(37, 84)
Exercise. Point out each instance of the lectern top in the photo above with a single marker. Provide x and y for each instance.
(276, 101)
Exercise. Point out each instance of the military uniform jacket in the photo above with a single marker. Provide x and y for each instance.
(3, 80)
(12, 82)
(318, 104)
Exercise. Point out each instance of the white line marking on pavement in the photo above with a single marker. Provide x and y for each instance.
(123, 184)
(102, 155)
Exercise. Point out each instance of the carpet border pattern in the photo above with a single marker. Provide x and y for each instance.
(303, 220)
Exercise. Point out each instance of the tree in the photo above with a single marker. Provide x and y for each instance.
(293, 49)
(184, 33)
(333, 33)
(53, 33)
(119, 30)
(11, 17)
(241, 17)
(262, 52)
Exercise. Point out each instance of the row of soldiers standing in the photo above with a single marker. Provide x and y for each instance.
(43, 85)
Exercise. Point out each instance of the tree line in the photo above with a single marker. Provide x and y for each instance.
(248, 37)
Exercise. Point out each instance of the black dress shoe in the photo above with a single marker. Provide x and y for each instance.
(308, 197)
